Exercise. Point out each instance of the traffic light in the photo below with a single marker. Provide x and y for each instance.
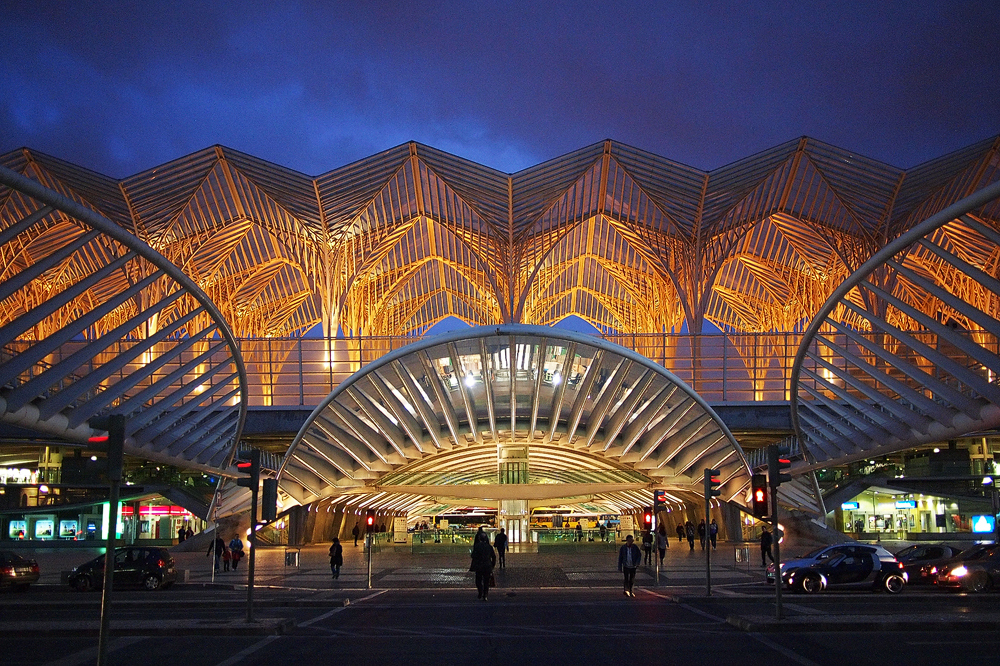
(248, 463)
(758, 493)
(659, 500)
(370, 521)
(647, 517)
(113, 442)
(269, 500)
(712, 483)
(775, 464)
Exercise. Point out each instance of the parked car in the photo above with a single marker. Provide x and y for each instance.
(135, 566)
(17, 572)
(857, 566)
(970, 553)
(974, 574)
(921, 560)
(824, 553)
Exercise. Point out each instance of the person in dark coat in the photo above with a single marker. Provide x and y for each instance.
(713, 532)
(689, 531)
(484, 558)
(629, 558)
(219, 546)
(356, 532)
(500, 542)
(336, 557)
(680, 533)
(647, 546)
(765, 547)
(181, 534)
(188, 533)
(702, 532)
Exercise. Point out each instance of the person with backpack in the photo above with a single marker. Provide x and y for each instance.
(689, 531)
(713, 532)
(236, 550)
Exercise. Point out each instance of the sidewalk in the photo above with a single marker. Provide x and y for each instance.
(397, 568)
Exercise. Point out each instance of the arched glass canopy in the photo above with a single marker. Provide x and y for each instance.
(511, 413)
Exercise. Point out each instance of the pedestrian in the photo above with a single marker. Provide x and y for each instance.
(484, 558)
(713, 532)
(604, 532)
(701, 533)
(662, 542)
(628, 561)
(765, 547)
(236, 548)
(219, 546)
(647, 546)
(501, 545)
(689, 531)
(189, 533)
(680, 533)
(356, 532)
(227, 558)
(336, 557)
(181, 534)
(579, 532)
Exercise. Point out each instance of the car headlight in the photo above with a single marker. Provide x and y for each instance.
(959, 571)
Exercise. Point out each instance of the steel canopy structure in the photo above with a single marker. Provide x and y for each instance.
(510, 412)
(907, 350)
(96, 322)
(627, 240)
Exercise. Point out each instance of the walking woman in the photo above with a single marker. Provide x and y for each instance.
(484, 558)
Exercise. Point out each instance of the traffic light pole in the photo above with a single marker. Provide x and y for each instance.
(708, 546)
(115, 427)
(775, 476)
(253, 551)
(711, 481)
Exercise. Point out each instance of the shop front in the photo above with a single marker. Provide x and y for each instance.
(883, 514)
(151, 520)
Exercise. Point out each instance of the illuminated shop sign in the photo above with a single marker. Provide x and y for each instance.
(984, 523)
(850, 506)
(906, 504)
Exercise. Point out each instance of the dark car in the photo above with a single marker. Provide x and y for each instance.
(17, 572)
(135, 566)
(974, 574)
(856, 566)
(921, 560)
(824, 553)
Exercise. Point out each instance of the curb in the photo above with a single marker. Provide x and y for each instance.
(814, 623)
(265, 627)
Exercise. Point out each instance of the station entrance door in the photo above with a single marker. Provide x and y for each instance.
(514, 519)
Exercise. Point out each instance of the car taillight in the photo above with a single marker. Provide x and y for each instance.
(161, 564)
(7, 571)
(34, 568)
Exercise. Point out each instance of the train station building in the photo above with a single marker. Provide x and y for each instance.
(429, 341)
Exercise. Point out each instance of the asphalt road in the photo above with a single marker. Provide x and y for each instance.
(523, 626)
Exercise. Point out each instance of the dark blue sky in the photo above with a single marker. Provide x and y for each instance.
(316, 85)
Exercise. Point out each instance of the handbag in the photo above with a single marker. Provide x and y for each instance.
(493, 580)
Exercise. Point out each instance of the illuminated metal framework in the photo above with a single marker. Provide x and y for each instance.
(510, 413)
(95, 322)
(907, 350)
(628, 241)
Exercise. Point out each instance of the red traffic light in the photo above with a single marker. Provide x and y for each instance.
(371, 520)
(647, 518)
(758, 495)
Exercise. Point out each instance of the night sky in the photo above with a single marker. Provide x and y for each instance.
(121, 87)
